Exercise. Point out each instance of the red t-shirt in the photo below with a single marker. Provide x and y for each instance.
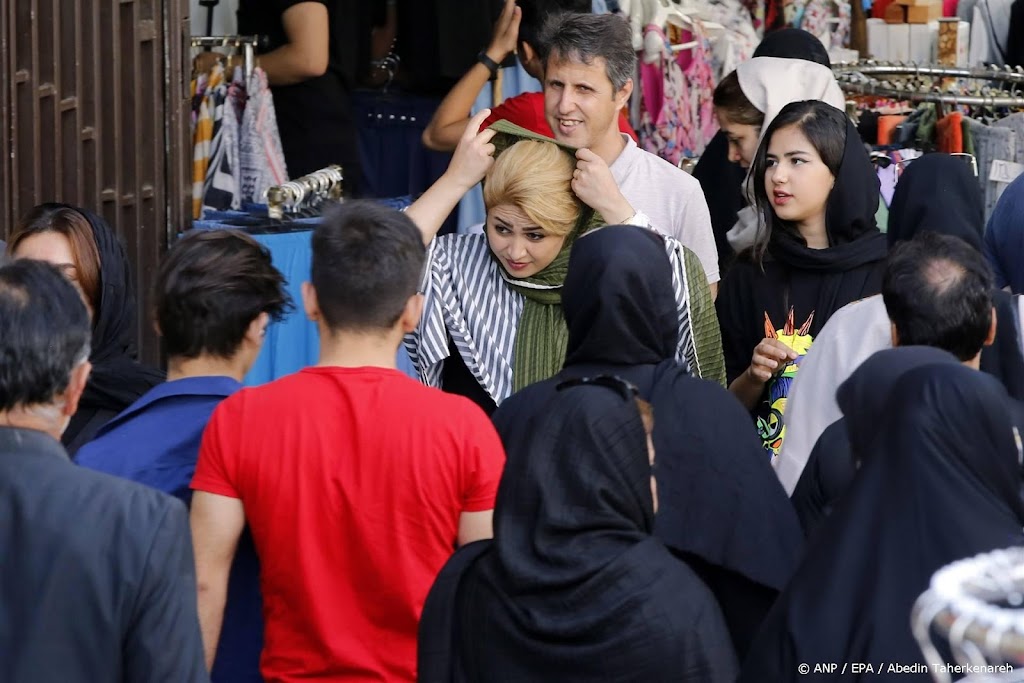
(527, 111)
(353, 480)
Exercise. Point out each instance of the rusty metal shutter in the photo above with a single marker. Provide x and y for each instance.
(94, 112)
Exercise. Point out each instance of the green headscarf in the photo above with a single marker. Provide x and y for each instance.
(542, 336)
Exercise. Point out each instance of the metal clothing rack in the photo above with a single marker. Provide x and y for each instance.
(975, 606)
(859, 78)
(308, 192)
(248, 44)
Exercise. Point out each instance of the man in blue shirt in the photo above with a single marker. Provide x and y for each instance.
(216, 292)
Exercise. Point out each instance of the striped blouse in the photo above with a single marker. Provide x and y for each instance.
(465, 296)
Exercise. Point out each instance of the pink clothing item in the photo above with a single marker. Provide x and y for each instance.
(677, 113)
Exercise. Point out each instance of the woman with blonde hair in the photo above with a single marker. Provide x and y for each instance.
(492, 321)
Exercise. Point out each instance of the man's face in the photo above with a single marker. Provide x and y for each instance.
(580, 103)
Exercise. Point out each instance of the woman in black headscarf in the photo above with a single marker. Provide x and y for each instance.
(722, 179)
(832, 466)
(573, 587)
(90, 254)
(939, 193)
(816, 193)
(721, 508)
(939, 481)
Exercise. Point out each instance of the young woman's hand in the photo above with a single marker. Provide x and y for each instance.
(474, 155)
(770, 356)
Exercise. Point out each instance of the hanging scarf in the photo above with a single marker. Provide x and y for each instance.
(542, 335)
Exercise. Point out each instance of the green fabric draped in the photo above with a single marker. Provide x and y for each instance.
(542, 335)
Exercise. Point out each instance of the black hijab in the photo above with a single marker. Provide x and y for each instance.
(721, 179)
(117, 379)
(942, 483)
(832, 465)
(722, 507)
(854, 238)
(940, 194)
(573, 586)
(818, 281)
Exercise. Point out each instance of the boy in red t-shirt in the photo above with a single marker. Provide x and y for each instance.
(356, 481)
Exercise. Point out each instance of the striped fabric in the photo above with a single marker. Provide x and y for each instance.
(202, 139)
(466, 297)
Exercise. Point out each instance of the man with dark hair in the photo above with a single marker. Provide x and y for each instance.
(98, 581)
(516, 32)
(589, 66)
(215, 293)
(938, 292)
(357, 481)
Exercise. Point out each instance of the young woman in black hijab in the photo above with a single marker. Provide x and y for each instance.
(938, 194)
(940, 480)
(817, 193)
(573, 587)
(722, 179)
(87, 250)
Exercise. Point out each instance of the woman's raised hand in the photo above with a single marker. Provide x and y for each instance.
(770, 356)
(474, 154)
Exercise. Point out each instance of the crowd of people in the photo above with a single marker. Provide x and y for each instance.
(631, 455)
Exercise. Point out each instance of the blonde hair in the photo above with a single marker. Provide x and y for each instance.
(536, 178)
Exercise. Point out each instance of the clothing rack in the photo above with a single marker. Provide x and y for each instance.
(247, 43)
(975, 605)
(871, 67)
(858, 78)
(308, 192)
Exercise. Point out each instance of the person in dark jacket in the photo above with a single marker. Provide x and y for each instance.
(98, 579)
(90, 254)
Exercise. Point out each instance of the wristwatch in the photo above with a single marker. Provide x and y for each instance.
(491, 65)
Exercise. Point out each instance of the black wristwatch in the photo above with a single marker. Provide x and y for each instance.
(491, 65)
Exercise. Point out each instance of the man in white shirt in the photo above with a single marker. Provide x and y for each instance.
(588, 78)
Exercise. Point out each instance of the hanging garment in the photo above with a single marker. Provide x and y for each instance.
(949, 133)
(737, 43)
(262, 163)
(202, 138)
(815, 20)
(677, 113)
(989, 35)
(220, 187)
(992, 143)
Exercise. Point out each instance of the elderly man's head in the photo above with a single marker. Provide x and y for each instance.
(44, 347)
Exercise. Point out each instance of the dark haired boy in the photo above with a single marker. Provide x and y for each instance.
(216, 292)
(357, 481)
